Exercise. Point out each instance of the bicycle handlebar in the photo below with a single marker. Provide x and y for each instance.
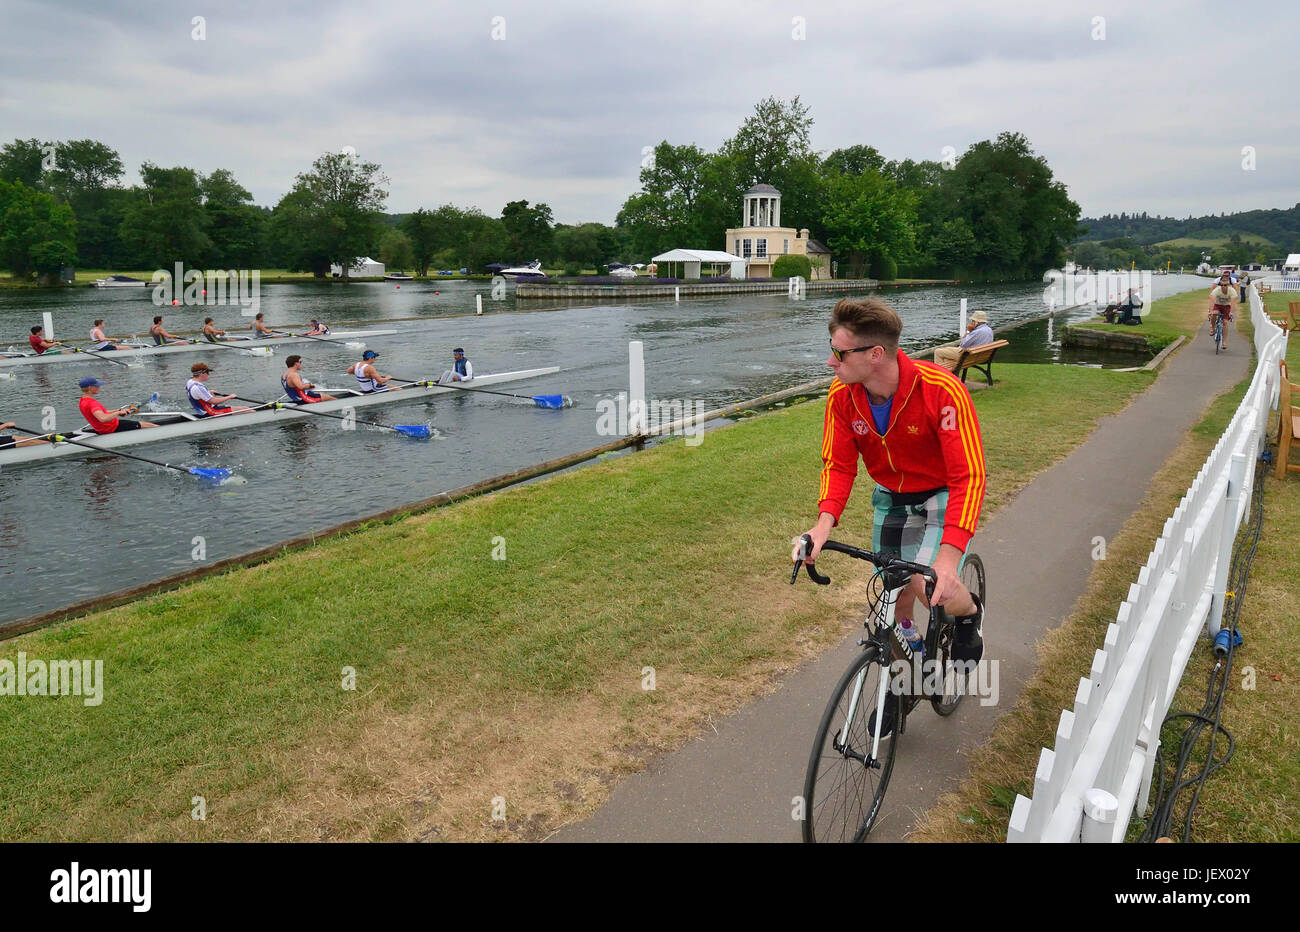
(885, 563)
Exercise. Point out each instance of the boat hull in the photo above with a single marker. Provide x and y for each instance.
(189, 428)
(32, 359)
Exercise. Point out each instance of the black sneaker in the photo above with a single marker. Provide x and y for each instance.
(891, 716)
(968, 642)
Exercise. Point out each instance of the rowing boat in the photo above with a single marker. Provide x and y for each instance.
(16, 358)
(177, 424)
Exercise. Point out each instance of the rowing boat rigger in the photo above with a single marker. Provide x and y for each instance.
(177, 424)
(17, 358)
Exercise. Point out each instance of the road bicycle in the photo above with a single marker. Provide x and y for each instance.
(849, 766)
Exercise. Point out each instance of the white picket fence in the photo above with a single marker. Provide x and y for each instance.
(1099, 773)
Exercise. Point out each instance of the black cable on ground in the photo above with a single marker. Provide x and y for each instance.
(1161, 820)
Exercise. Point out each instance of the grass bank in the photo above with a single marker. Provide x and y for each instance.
(499, 648)
(1256, 797)
(1164, 321)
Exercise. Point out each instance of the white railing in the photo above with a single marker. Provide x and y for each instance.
(1099, 773)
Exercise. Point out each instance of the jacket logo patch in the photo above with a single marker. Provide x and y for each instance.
(859, 427)
(913, 429)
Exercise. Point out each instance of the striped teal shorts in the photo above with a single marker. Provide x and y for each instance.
(909, 525)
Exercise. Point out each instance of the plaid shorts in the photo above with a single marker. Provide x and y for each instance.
(908, 525)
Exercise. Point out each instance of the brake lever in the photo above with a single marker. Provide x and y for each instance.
(805, 545)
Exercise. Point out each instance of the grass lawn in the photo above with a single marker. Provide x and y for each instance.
(1165, 320)
(1256, 797)
(475, 678)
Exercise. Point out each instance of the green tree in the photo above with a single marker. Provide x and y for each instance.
(1021, 217)
(773, 146)
(83, 166)
(87, 175)
(589, 245)
(528, 228)
(870, 218)
(165, 221)
(37, 233)
(233, 223)
(335, 211)
(395, 251)
(21, 160)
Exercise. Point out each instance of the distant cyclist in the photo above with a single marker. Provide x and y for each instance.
(1221, 297)
(913, 425)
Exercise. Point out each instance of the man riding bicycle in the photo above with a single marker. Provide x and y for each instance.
(914, 427)
(1221, 297)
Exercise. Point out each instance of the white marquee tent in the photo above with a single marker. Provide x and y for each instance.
(361, 268)
(692, 259)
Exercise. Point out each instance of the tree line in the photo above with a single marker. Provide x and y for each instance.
(995, 211)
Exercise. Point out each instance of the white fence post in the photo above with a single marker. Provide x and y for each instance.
(961, 326)
(1227, 534)
(1100, 809)
(636, 407)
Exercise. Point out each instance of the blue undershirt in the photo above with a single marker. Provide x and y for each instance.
(880, 414)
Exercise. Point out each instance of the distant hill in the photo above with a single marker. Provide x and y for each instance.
(1278, 229)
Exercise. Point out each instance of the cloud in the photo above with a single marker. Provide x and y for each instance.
(560, 109)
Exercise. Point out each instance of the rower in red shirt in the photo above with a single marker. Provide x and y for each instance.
(42, 345)
(100, 419)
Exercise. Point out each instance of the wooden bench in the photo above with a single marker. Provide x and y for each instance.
(1294, 308)
(1288, 422)
(980, 359)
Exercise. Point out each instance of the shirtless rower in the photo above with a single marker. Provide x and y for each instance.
(299, 390)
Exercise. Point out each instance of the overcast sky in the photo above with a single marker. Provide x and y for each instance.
(1154, 116)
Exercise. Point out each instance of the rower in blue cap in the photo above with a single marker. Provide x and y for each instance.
(368, 378)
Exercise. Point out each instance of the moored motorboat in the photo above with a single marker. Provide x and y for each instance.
(120, 281)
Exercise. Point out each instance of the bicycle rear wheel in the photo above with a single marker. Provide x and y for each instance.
(843, 789)
(955, 680)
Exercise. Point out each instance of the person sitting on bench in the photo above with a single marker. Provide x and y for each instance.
(978, 333)
(1128, 310)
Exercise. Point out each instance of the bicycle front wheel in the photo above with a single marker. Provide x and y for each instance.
(845, 786)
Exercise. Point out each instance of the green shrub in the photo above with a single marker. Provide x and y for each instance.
(573, 270)
(790, 266)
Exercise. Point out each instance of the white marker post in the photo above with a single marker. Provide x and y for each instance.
(961, 327)
(636, 408)
(677, 293)
(48, 318)
(478, 304)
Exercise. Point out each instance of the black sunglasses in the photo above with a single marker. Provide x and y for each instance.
(841, 353)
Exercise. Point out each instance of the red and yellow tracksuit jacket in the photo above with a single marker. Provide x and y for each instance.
(932, 441)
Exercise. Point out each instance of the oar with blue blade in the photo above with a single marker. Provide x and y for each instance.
(207, 472)
(542, 401)
(406, 430)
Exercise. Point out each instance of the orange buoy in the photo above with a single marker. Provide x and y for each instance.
(174, 302)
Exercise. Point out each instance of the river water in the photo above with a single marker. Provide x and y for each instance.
(82, 526)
